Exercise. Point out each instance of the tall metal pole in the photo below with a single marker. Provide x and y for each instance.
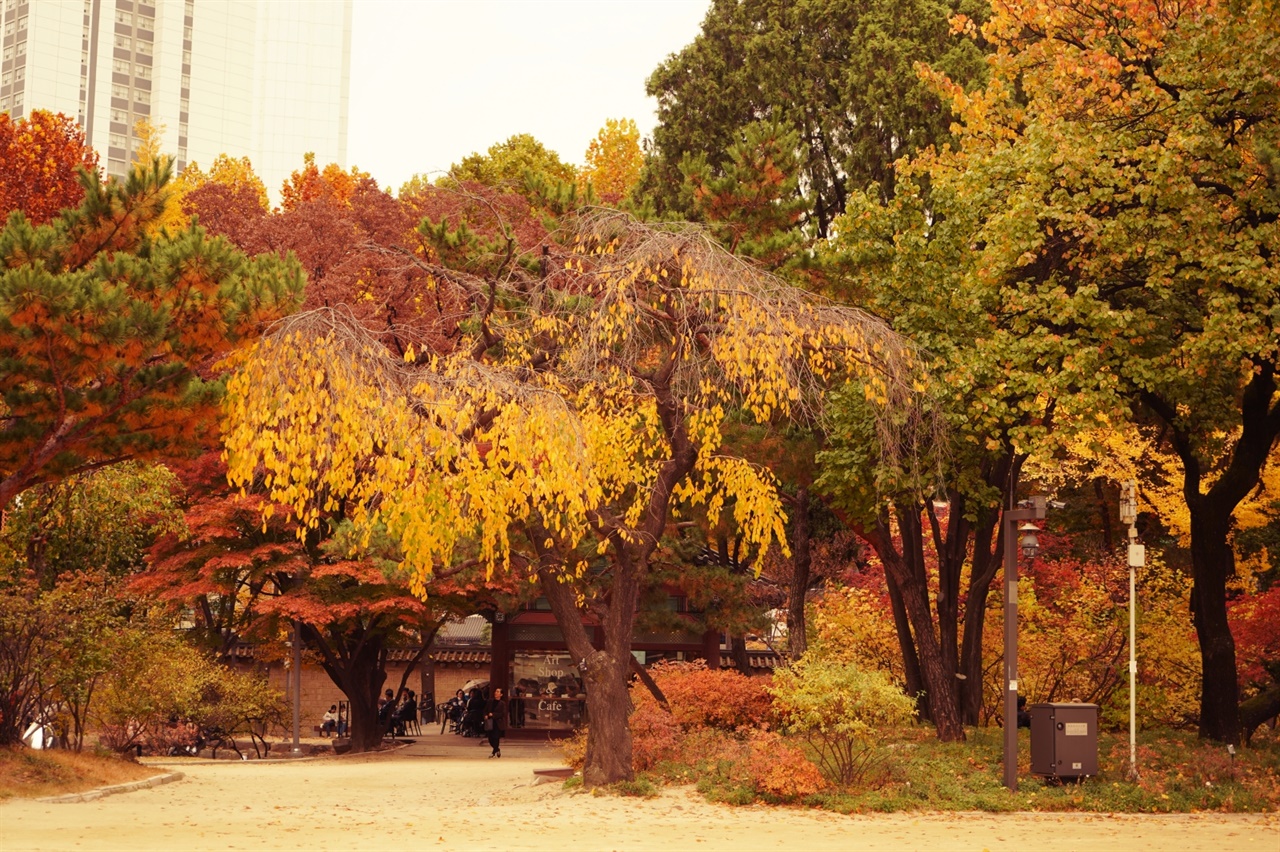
(1133, 662)
(1011, 648)
(1137, 558)
(1012, 517)
(297, 688)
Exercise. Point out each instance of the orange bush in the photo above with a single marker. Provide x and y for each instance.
(716, 698)
(655, 735)
(777, 768)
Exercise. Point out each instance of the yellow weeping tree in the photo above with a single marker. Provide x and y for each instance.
(582, 409)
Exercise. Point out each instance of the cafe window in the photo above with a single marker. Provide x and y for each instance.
(547, 690)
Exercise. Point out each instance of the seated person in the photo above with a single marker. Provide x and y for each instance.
(329, 722)
(386, 706)
(407, 712)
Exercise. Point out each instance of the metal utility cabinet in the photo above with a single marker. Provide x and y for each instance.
(1064, 740)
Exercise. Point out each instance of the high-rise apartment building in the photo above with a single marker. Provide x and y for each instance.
(267, 79)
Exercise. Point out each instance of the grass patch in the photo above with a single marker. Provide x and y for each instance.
(639, 787)
(28, 773)
(1178, 773)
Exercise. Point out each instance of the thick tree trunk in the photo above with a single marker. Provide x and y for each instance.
(910, 661)
(608, 758)
(1212, 562)
(939, 683)
(981, 576)
(802, 562)
(358, 670)
(604, 671)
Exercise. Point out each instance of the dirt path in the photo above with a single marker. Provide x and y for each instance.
(436, 795)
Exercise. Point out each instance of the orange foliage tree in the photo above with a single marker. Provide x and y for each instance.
(39, 156)
(246, 578)
(613, 161)
(107, 338)
(311, 183)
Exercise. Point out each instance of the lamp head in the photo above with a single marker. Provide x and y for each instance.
(1027, 540)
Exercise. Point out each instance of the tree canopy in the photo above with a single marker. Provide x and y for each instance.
(107, 337)
(1113, 200)
(838, 73)
(556, 439)
(39, 157)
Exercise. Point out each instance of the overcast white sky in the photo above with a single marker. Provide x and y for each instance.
(434, 80)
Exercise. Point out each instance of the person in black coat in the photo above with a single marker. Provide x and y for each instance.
(495, 721)
(407, 712)
(473, 721)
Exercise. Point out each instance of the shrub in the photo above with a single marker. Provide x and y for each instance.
(837, 708)
(780, 769)
(159, 686)
(715, 698)
(655, 736)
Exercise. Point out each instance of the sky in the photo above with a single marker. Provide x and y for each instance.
(434, 80)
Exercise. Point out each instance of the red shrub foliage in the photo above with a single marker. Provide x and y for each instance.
(778, 768)
(719, 698)
(655, 736)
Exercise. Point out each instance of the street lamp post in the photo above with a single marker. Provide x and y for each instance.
(1030, 510)
(1137, 558)
(296, 751)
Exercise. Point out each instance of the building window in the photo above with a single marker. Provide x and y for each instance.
(22, 24)
(124, 18)
(118, 140)
(141, 97)
(144, 47)
(119, 91)
(119, 116)
(122, 66)
(124, 42)
(143, 72)
(146, 24)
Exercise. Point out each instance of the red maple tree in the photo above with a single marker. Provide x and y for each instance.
(39, 157)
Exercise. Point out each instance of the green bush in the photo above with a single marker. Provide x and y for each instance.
(837, 708)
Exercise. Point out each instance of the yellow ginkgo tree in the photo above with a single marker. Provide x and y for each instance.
(579, 408)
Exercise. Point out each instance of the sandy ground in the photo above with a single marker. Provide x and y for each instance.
(443, 793)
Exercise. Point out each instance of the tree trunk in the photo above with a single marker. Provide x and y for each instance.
(604, 671)
(1212, 562)
(939, 684)
(1258, 709)
(608, 758)
(981, 576)
(910, 660)
(802, 562)
(356, 665)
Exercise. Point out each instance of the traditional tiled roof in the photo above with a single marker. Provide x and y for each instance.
(448, 657)
(755, 659)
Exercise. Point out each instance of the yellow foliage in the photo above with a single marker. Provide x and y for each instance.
(451, 452)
